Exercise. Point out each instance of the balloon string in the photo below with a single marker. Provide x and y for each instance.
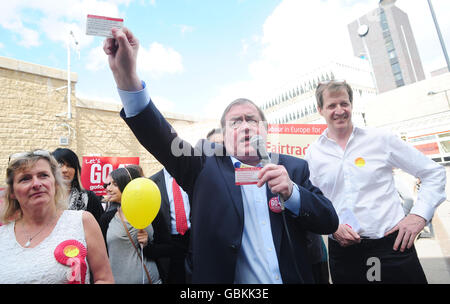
(142, 259)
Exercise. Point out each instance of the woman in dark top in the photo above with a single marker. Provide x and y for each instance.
(79, 198)
(155, 239)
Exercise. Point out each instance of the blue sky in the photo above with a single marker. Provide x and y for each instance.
(198, 55)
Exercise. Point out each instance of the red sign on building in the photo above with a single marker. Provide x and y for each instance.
(95, 170)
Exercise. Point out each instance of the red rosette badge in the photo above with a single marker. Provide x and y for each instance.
(274, 205)
(72, 253)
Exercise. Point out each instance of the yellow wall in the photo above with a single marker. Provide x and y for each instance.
(29, 105)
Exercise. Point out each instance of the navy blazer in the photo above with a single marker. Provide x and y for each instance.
(164, 210)
(217, 214)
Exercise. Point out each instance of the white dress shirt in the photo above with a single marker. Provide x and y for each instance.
(360, 184)
(187, 208)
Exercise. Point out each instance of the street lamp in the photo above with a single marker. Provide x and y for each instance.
(441, 40)
(69, 87)
(363, 30)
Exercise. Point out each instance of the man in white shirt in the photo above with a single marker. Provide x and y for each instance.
(353, 168)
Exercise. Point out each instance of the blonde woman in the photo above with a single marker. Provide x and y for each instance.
(41, 241)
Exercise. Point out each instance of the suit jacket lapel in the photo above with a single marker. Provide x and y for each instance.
(276, 221)
(165, 205)
(227, 170)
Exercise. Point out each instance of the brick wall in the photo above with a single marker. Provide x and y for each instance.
(29, 118)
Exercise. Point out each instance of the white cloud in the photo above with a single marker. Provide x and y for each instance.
(425, 32)
(158, 60)
(295, 38)
(298, 37)
(164, 104)
(30, 37)
(96, 59)
(55, 18)
(185, 28)
(226, 94)
(100, 98)
(11, 20)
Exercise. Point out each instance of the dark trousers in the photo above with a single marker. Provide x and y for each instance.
(374, 261)
(177, 273)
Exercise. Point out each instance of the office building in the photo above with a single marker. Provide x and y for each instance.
(384, 37)
(295, 102)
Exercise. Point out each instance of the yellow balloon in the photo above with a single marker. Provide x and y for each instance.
(141, 201)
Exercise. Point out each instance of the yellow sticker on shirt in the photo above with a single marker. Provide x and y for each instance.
(360, 162)
(71, 251)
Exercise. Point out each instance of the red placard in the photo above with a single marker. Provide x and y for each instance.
(428, 149)
(292, 139)
(95, 170)
(297, 129)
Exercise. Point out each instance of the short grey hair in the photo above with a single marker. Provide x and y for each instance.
(240, 101)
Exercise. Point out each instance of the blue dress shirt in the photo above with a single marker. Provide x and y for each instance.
(257, 261)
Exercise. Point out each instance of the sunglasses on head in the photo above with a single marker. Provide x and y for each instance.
(15, 156)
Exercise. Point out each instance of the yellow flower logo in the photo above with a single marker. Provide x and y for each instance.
(360, 162)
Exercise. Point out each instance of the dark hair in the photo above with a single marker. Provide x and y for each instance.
(136, 167)
(70, 158)
(332, 86)
(213, 131)
(122, 176)
(240, 101)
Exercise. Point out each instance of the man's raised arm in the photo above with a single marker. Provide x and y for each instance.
(122, 53)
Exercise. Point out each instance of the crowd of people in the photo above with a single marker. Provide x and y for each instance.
(211, 228)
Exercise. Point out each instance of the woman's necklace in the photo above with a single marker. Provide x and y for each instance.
(30, 238)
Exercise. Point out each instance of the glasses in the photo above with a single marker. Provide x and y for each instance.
(236, 124)
(16, 156)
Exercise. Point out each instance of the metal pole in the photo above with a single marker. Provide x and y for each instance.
(439, 35)
(446, 96)
(372, 71)
(409, 53)
(69, 87)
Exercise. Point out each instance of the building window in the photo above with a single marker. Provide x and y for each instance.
(445, 145)
(389, 46)
(392, 54)
(396, 68)
(400, 82)
(393, 60)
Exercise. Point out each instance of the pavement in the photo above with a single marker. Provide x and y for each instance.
(434, 253)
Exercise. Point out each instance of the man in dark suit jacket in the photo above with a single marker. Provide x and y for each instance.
(180, 242)
(239, 234)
